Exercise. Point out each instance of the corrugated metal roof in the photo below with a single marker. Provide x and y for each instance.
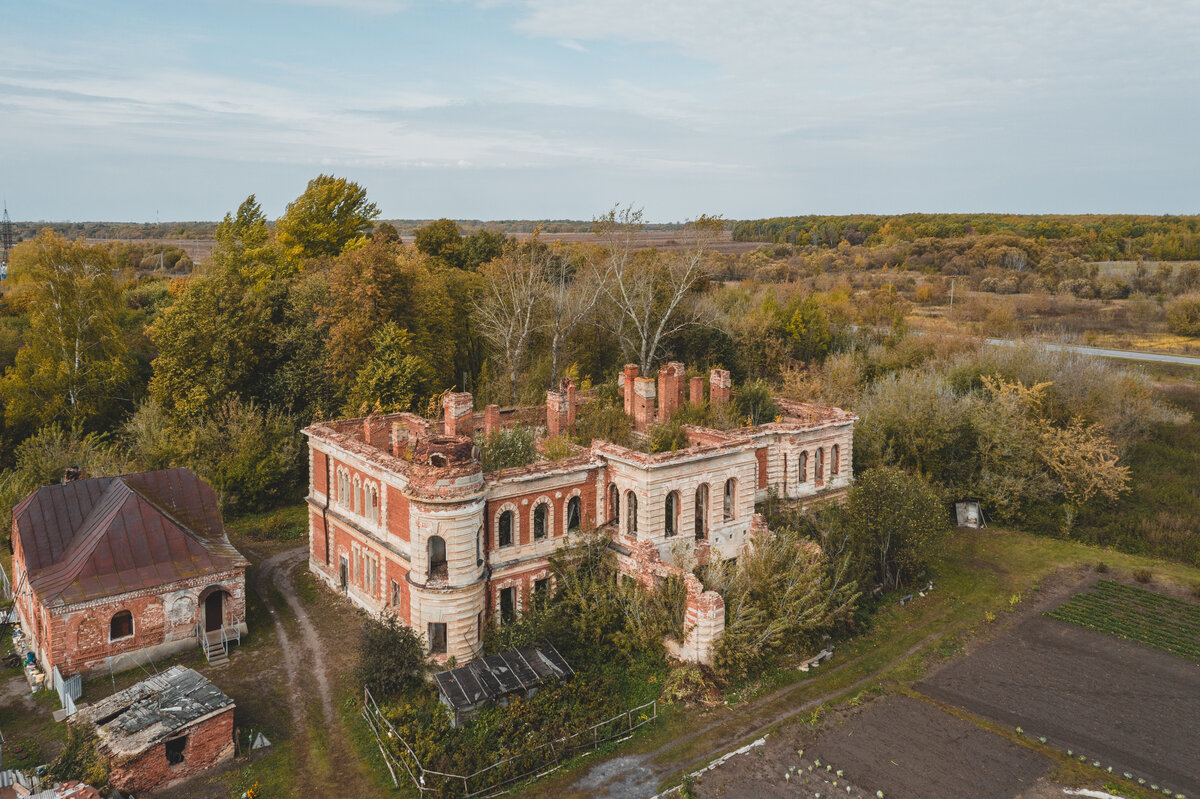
(104, 536)
(495, 676)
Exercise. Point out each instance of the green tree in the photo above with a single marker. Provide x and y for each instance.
(393, 378)
(330, 214)
(809, 329)
(897, 525)
(391, 657)
(482, 246)
(244, 244)
(442, 241)
(75, 365)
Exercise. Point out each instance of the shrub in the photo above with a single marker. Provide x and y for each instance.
(1102, 567)
(1143, 575)
(667, 437)
(391, 657)
(509, 447)
(600, 421)
(690, 685)
(1195, 588)
(755, 402)
(1183, 316)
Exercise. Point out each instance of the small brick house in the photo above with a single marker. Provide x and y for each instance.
(110, 572)
(162, 730)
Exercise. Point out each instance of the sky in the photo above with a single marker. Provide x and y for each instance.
(551, 109)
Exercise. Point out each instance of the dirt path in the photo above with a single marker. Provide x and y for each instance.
(319, 742)
(638, 776)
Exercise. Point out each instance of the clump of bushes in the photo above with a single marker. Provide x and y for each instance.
(1143, 575)
(391, 657)
(690, 685)
(509, 447)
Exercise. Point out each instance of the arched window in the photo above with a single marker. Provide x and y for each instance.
(574, 506)
(614, 503)
(355, 502)
(671, 513)
(833, 459)
(702, 512)
(730, 491)
(437, 557)
(504, 534)
(802, 474)
(121, 625)
(343, 488)
(540, 514)
(630, 513)
(371, 501)
(819, 469)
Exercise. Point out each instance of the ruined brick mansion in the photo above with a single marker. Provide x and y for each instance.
(402, 516)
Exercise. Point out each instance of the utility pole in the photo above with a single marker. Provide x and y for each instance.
(952, 294)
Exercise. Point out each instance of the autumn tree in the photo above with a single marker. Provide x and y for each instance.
(809, 329)
(442, 241)
(75, 364)
(649, 289)
(572, 291)
(509, 311)
(1084, 461)
(393, 378)
(330, 214)
(244, 243)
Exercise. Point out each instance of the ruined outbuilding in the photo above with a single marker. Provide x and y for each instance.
(115, 571)
(403, 518)
(497, 678)
(162, 730)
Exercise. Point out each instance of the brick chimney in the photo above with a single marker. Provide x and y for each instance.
(556, 412)
(628, 376)
(670, 382)
(644, 396)
(719, 386)
(491, 420)
(696, 391)
(458, 407)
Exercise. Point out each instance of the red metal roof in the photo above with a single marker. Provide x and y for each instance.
(93, 538)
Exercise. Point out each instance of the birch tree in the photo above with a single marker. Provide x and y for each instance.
(75, 364)
(511, 306)
(573, 289)
(650, 289)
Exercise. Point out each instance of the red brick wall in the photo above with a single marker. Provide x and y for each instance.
(523, 524)
(320, 467)
(317, 524)
(397, 510)
(398, 572)
(209, 742)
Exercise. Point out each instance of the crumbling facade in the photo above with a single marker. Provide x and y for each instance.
(111, 572)
(402, 517)
(163, 730)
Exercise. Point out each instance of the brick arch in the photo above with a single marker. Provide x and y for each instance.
(543, 499)
(516, 524)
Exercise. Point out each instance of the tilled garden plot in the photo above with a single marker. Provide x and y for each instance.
(1109, 701)
(901, 746)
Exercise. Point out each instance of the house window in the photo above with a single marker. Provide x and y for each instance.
(355, 501)
(802, 474)
(573, 513)
(614, 503)
(671, 513)
(819, 469)
(702, 512)
(833, 459)
(539, 521)
(730, 499)
(343, 488)
(505, 529)
(395, 594)
(371, 500)
(508, 604)
(437, 558)
(175, 748)
(630, 513)
(121, 625)
(541, 587)
(437, 638)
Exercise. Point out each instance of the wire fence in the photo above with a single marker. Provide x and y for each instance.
(493, 780)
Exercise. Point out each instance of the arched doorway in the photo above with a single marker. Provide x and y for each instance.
(214, 609)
